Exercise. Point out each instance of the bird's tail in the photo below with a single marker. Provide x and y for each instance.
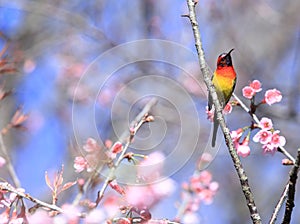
(215, 131)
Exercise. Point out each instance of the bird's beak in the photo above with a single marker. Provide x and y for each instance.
(230, 51)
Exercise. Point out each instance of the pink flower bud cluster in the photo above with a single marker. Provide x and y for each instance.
(271, 96)
(243, 148)
(252, 89)
(200, 189)
(88, 161)
(210, 113)
(94, 154)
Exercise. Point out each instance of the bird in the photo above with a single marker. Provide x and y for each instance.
(224, 80)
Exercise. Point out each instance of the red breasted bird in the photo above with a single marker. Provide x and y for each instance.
(224, 80)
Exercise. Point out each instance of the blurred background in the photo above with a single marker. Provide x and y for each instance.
(55, 44)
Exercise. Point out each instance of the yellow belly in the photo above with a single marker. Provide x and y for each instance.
(224, 87)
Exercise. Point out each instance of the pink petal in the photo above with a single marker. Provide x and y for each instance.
(248, 92)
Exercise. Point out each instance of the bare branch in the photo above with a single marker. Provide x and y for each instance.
(140, 119)
(206, 74)
(279, 204)
(4, 186)
(9, 164)
(291, 192)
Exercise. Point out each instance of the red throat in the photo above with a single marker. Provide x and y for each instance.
(227, 71)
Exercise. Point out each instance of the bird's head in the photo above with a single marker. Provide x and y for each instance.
(224, 59)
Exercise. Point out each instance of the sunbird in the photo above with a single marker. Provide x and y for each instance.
(224, 80)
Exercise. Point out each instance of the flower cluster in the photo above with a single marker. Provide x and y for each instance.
(210, 113)
(271, 96)
(268, 137)
(89, 161)
(200, 188)
(250, 91)
(94, 154)
(149, 171)
(243, 148)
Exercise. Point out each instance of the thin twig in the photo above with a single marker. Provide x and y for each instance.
(255, 118)
(135, 124)
(182, 208)
(279, 204)
(9, 164)
(151, 221)
(292, 190)
(206, 74)
(165, 221)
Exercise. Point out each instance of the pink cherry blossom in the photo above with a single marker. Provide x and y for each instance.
(91, 145)
(210, 114)
(151, 167)
(80, 164)
(214, 186)
(70, 214)
(227, 109)
(17, 220)
(236, 135)
(207, 194)
(2, 161)
(114, 185)
(272, 142)
(190, 218)
(265, 124)
(201, 184)
(4, 216)
(272, 96)
(263, 137)
(206, 157)
(95, 216)
(248, 92)
(269, 148)
(117, 148)
(256, 86)
(139, 196)
(287, 162)
(199, 180)
(92, 160)
(163, 188)
(277, 140)
(39, 215)
(243, 149)
(111, 205)
(124, 220)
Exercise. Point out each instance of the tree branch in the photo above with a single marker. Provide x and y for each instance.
(9, 164)
(4, 186)
(206, 74)
(139, 120)
(279, 204)
(291, 192)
